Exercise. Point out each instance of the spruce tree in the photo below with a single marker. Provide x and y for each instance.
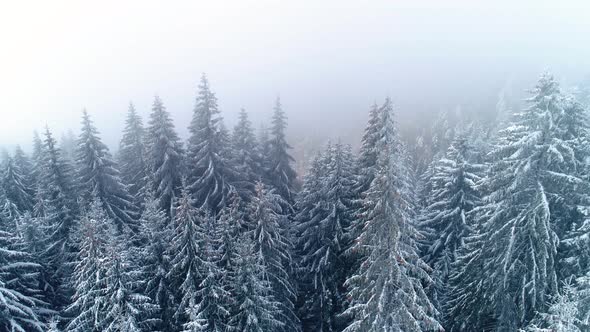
(185, 273)
(212, 312)
(387, 290)
(99, 177)
(123, 309)
(85, 311)
(281, 174)
(21, 308)
(164, 156)
(209, 170)
(132, 155)
(56, 176)
(26, 167)
(15, 186)
(325, 213)
(367, 159)
(273, 246)
(533, 180)
(155, 234)
(246, 157)
(453, 195)
(256, 310)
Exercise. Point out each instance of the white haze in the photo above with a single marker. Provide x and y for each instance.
(328, 60)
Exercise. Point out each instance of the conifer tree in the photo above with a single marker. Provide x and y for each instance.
(123, 310)
(25, 165)
(155, 234)
(367, 159)
(21, 308)
(164, 156)
(209, 170)
(212, 312)
(452, 197)
(532, 181)
(132, 154)
(16, 188)
(246, 159)
(99, 177)
(326, 207)
(256, 310)
(273, 246)
(185, 273)
(61, 209)
(387, 290)
(280, 172)
(88, 300)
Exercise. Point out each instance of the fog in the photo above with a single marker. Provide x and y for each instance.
(328, 60)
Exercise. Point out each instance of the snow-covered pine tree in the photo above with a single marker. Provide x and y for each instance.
(231, 223)
(246, 156)
(326, 211)
(573, 226)
(453, 195)
(132, 155)
(209, 170)
(532, 180)
(387, 290)
(123, 309)
(15, 186)
(25, 165)
(32, 233)
(280, 173)
(99, 177)
(212, 312)
(274, 247)
(185, 274)
(155, 234)
(37, 157)
(85, 312)
(164, 156)
(20, 305)
(367, 159)
(256, 310)
(56, 176)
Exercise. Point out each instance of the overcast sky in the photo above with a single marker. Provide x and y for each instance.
(328, 60)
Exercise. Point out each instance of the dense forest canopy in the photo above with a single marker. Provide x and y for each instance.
(473, 223)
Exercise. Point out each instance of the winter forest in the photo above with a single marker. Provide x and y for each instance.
(476, 226)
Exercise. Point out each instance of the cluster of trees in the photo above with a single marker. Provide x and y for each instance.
(487, 230)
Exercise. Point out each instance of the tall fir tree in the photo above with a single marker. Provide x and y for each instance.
(124, 308)
(281, 174)
(209, 170)
(99, 177)
(164, 156)
(20, 306)
(326, 209)
(212, 312)
(155, 234)
(246, 156)
(16, 187)
(255, 310)
(56, 176)
(274, 247)
(533, 180)
(132, 155)
(185, 273)
(453, 195)
(85, 312)
(387, 290)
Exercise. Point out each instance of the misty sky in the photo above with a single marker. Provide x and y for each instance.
(326, 59)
